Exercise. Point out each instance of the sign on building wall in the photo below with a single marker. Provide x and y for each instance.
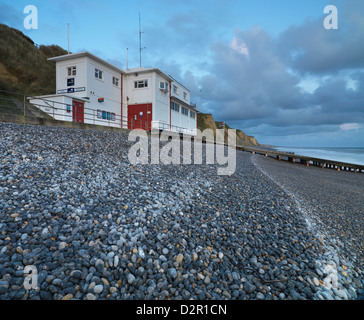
(105, 115)
(70, 82)
(71, 90)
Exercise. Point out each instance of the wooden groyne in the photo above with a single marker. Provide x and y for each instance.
(305, 160)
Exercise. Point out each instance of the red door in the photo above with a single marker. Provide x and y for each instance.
(140, 116)
(78, 111)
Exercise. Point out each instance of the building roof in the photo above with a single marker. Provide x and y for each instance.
(180, 83)
(125, 71)
(85, 54)
(145, 70)
(184, 103)
(44, 97)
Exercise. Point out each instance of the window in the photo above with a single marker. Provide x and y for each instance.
(192, 115)
(115, 81)
(175, 89)
(99, 74)
(141, 84)
(164, 86)
(184, 111)
(71, 71)
(185, 95)
(175, 106)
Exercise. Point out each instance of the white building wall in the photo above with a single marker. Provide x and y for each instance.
(80, 79)
(193, 123)
(87, 86)
(133, 96)
(182, 93)
(181, 122)
(59, 107)
(184, 122)
(175, 119)
(124, 114)
(103, 88)
(140, 95)
(161, 110)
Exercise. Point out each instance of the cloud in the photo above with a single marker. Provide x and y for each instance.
(184, 33)
(350, 126)
(310, 48)
(239, 47)
(248, 80)
(337, 98)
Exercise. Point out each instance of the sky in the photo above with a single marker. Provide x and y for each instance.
(269, 68)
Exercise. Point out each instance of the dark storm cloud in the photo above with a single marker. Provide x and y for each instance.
(248, 79)
(335, 96)
(310, 48)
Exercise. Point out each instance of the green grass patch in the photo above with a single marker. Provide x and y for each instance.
(8, 106)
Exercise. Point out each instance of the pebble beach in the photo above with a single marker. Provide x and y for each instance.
(96, 227)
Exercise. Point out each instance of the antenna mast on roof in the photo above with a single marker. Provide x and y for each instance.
(68, 37)
(140, 41)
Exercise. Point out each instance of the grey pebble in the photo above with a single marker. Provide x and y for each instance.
(98, 288)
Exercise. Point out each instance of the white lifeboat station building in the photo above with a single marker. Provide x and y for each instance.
(93, 91)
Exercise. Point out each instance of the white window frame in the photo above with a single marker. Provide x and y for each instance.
(115, 81)
(184, 112)
(192, 114)
(175, 89)
(99, 74)
(185, 96)
(141, 84)
(164, 86)
(175, 106)
(71, 71)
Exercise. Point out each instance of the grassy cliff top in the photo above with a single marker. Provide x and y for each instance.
(23, 65)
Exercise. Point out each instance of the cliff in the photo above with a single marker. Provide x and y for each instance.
(206, 121)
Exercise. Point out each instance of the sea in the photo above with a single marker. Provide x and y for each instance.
(349, 155)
